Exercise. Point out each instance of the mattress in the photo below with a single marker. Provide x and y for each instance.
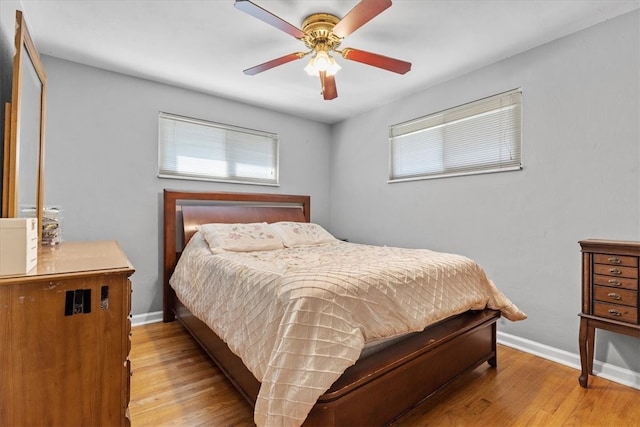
(298, 317)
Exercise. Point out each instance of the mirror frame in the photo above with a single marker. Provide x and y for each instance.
(11, 174)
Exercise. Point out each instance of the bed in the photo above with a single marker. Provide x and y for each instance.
(385, 382)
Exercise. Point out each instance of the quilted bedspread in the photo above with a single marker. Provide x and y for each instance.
(299, 317)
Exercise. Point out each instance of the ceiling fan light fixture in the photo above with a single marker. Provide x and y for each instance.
(322, 61)
(322, 33)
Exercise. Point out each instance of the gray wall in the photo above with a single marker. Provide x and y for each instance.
(580, 179)
(101, 160)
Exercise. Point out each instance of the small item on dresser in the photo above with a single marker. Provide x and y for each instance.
(51, 223)
(18, 245)
(51, 226)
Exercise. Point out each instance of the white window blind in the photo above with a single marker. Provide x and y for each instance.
(479, 137)
(201, 150)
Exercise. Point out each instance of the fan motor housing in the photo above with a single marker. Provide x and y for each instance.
(319, 31)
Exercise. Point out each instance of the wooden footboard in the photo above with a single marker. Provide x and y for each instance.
(384, 386)
(387, 385)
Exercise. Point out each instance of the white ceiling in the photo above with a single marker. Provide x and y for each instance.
(205, 45)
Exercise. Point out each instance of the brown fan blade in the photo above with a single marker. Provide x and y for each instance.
(380, 61)
(273, 63)
(268, 17)
(362, 13)
(329, 90)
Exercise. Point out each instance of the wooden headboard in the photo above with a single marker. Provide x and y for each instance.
(222, 207)
(193, 216)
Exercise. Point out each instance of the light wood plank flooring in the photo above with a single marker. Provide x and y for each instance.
(175, 384)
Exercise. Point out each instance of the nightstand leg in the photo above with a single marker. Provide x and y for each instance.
(493, 362)
(586, 338)
(591, 340)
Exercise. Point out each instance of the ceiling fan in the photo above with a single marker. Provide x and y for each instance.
(322, 33)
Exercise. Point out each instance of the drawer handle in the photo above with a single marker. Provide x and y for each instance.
(613, 295)
(614, 260)
(614, 282)
(614, 271)
(614, 312)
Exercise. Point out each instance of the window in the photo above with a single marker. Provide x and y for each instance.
(200, 150)
(479, 137)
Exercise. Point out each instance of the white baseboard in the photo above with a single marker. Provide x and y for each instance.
(146, 318)
(605, 370)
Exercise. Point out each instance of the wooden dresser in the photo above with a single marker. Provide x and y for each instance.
(64, 331)
(610, 271)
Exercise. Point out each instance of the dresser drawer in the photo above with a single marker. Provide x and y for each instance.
(616, 270)
(615, 296)
(626, 261)
(616, 312)
(616, 282)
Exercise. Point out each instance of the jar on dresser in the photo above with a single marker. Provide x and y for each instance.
(64, 330)
(610, 298)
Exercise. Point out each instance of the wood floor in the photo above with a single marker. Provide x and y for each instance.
(175, 384)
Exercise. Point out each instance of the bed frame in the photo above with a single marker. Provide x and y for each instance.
(379, 388)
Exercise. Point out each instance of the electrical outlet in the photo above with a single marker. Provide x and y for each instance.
(77, 302)
(104, 298)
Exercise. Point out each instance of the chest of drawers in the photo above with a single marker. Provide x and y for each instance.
(610, 294)
(64, 338)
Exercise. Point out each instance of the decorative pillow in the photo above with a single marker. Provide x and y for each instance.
(256, 236)
(301, 233)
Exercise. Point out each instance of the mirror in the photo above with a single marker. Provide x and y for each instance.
(24, 150)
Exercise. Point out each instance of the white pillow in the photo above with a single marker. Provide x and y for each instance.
(301, 233)
(257, 236)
